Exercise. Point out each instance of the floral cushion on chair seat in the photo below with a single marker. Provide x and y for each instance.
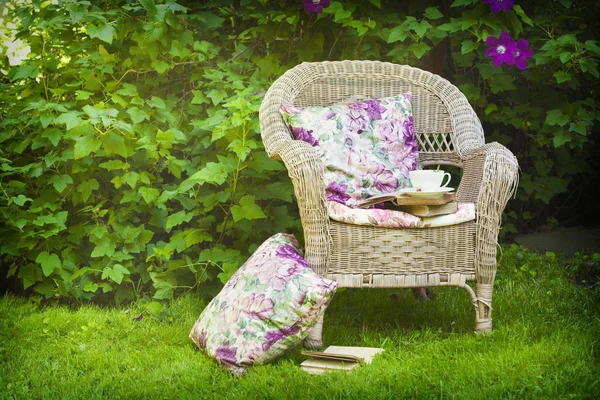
(368, 147)
(397, 219)
(268, 306)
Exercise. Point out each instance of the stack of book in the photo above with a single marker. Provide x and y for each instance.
(338, 358)
(419, 206)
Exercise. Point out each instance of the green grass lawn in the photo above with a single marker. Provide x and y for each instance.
(545, 345)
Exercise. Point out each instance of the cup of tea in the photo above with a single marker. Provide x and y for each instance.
(428, 179)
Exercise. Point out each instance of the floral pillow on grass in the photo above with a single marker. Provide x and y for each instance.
(368, 147)
(268, 306)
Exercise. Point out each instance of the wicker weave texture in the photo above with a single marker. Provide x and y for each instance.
(448, 133)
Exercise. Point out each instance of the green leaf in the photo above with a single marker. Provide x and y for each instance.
(433, 13)
(71, 119)
(137, 115)
(47, 119)
(458, 3)
(468, 46)
(561, 137)
(422, 28)
(398, 33)
(154, 308)
(83, 95)
(149, 194)
(247, 209)
(213, 173)
(592, 47)
(177, 219)
(562, 76)
(114, 164)
(114, 144)
(517, 8)
(490, 108)
(419, 49)
(86, 188)
(49, 262)
(86, 145)
(61, 182)
(103, 31)
(156, 102)
(117, 272)
(20, 200)
(556, 117)
(195, 236)
(217, 96)
(160, 66)
(24, 71)
(104, 247)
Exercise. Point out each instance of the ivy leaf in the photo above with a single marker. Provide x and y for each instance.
(114, 164)
(561, 137)
(468, 46)
(103, 31)
(419, 49)
(149, 194)
(247, 209)
(556, 117)
(104, 247)
(117, 272)
(49, 262)
(195, 236)
(422, 28)
(114, 144)
(70, 119)
(46, 119)
(86, 145)
(177, 219)
(562, 76)
(137, 115)
(20, 200)
(216, 96)
(87, 187)
(213, 172)
(24, 71)
(61, 182)
(433, 13)
(160, 66)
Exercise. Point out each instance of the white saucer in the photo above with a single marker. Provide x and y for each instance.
(432, 193)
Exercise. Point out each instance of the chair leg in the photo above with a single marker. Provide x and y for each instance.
(314, 340)
(484, 308)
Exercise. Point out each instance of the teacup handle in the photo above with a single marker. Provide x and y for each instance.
(446, 184)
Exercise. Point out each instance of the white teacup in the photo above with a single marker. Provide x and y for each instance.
(428, 179)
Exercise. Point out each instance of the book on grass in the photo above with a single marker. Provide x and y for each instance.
(428, 210)
(342, 358)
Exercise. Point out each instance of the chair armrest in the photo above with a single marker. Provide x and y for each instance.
(306, 171)
(490, 178)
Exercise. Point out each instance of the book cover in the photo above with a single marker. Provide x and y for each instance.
(429, 210)
(343, 358)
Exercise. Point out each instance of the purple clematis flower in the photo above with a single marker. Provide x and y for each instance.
(522, 54)
(501, 49)
(315, 6)
(498, 5)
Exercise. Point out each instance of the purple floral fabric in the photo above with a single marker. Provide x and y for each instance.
(269, 305)
(397, 219)
(368, 147)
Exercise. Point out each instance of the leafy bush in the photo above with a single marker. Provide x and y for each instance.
(131, 156)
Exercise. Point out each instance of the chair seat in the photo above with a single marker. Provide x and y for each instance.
(397, 219)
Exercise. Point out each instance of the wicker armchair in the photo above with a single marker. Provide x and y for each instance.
(448, 133)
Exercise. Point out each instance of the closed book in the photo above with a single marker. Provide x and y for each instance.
(429, 210)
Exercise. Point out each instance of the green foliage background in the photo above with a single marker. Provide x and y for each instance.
(130, 151)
